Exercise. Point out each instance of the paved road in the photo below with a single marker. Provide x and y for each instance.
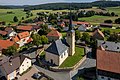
(61, 75)
(55, 75)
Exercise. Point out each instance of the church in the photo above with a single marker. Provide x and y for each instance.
(60, 49)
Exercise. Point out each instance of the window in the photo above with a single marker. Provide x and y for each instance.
(64, 53)
(22, 65)
(102, 77)
(27, 62)
(109, 79)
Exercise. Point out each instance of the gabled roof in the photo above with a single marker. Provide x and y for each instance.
(23, 34)
(4, 44)
(25, 28)
(3, 32)
(98, 32)
(110, 46)
(54, 33)
(58, 47)
(80, 23)
(15, 38)
(108, 61)
(9, 67)
(8, 29)
(13, 63)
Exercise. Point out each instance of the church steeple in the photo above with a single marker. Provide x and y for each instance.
(71, 37)
(70, 19)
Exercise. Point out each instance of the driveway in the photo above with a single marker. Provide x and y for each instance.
(29, 74)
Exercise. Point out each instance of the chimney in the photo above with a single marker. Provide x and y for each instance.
(10, 61)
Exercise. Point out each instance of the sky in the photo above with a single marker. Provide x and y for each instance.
(36, 2)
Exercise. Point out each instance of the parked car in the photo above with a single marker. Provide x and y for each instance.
(36, 76)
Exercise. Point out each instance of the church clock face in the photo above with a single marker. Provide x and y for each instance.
(68, 34)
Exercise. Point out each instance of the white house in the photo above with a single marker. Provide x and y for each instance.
(14, 66)
(57, 52)
(22, 38)
(83, 27)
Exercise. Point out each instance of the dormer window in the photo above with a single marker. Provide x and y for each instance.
(118, 48)
(104, 42)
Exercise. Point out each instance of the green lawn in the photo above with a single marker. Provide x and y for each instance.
(63, 34)
(72, 60)
(114, 9)
(111, 30)
(97, 19)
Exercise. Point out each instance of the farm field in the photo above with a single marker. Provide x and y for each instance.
(8, 18)
(111, 30)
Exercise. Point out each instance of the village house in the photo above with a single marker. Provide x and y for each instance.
(109, 46)
(61, 24)
(97, 34)
(108, 65)
(10, 32)
(4, 44)
(54, 35)
(22, 38)
(29, 28)
(106, 25)
(3, 33)
(14, 66)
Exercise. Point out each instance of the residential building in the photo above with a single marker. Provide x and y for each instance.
(3, 33)
(97, 34)
(83, 27)
(109, 46)
(10, 32)
(29, 28)
(22, 38)
(108, 65)
(106, 25)
(14, 66)
(4, 44)
(54, 35)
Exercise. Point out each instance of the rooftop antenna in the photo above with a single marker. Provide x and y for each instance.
(70, 21)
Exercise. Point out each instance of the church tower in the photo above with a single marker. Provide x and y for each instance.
(71, 37)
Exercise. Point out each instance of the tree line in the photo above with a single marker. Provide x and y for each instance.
(74, 6)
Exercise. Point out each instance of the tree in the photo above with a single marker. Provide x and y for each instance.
(22, 18)
(77, 35)
(15, 19)
(44, 30)
(108, 21)
(112, 14)
(114, 37)
(11, 50)
(86, 37)
(36, 39)
(44, 39)
(117, 21)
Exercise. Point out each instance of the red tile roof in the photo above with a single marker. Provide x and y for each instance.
(40, 22)
(8, 29)
(15, 38)
(108, 61)
(4, 44)
(54, 33)
(3, 33)
(20, 36)
(25, 28)
(86, 23)
(23, 34)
